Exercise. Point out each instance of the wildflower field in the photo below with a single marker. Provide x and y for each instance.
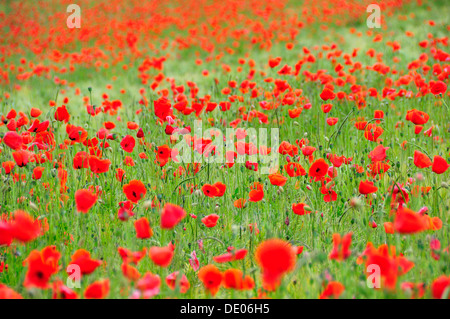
(224, 149)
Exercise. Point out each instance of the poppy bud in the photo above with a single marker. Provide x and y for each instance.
(355, 203)
(198, 193)
(217, 207)
(33, 206)
(444, 185)
(307, 208)
(147, 204)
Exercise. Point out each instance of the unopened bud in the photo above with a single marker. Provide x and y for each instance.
(33, 206)
(355, 202)
(147, 204)
(198, 193)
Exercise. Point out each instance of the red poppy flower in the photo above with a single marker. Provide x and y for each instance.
(417, 117)
(318, 169)
(414, 290)
(221, 188)
(8, 166)
(234, 279)
(326, 108)
(301, 209)
(8, 293)
(174, 280)
(231, 256)
(128, 143)
(373, 132)
(440, 165)
(210, 220)
(130, 272)
(149, 285)
(6, 237)
(210, 190)
(378, 154)
(171, 215)
(327, 94)
(23, 227)
(61, 114)
(421, 160)
(438, 87)
(98, 165)
(367, 187)
(275, 257)
(294, 169)
(143, 229)
(83, 259)
(35, 112)
(256, 193)
(211, 277)
(389, 228)
(341, 247)
(131, 257)
(84, 200)
(391, 265)
(60, 291)
(333, 290)
(239, 203)
(439, 286)
(13, 140)
(37, 172)
(277, 179)
(41, 266)
(409, 222)
(331, 121)
(97, 290)
(161, 256)
(135, 190)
